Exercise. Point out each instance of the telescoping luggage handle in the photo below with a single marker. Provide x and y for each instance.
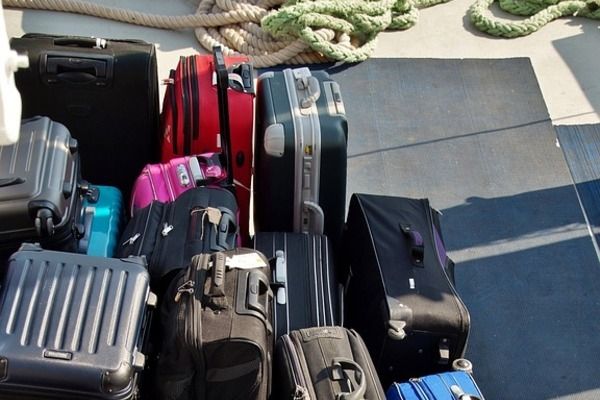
(222, 86)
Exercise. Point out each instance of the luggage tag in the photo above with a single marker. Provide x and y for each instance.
(245, 261)
(214, 217)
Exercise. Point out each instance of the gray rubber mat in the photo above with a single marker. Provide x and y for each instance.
(474, 136)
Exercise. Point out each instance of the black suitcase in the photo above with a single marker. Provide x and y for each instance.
(304, 280)
(39, 187)
(324, 363)
(104, 91)
(216, 329)
(401, 296)
(72, 326)
(170, 234)
(300, 154)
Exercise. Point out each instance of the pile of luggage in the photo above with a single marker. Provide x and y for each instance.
(149, 282)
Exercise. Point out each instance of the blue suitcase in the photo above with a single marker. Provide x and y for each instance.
(103, 217)
(458, 385)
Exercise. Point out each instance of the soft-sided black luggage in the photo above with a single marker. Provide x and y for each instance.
(303, 280)
(401, 296)
(324, 363)
(72, 326)
(104, 91)
(39, 186)
(216, 329)
(200, 220)
(300, 154)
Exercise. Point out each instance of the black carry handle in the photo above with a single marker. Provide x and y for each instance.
(257, 279)
(417, 250)
(227, 230)
(222, 86)
(76, 70)
(80, 42)
(4, 182)
(338, 366)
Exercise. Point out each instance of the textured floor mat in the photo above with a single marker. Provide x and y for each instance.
(474, 136)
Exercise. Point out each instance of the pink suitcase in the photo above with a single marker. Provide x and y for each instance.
(165, 182)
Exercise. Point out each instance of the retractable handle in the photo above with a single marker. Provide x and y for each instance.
(222, 86)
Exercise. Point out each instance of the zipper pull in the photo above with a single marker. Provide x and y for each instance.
(300, 393)
(186, 287)
(166, 229)
(131, 240)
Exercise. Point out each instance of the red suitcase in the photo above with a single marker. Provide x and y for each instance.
(190, 118)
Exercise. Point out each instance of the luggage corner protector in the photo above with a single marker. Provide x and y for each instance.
(400, 318)
(118, 379)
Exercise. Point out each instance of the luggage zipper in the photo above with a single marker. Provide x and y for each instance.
(301, 387)
(186, 106)
(195, 115)
(187, 287)
(137, 234)
(457, 298)
(174, 114)
(165, 227)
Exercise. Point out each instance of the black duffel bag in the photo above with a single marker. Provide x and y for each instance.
(201, 220)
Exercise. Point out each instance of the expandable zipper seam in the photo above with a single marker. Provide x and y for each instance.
(297, 371)
(186, 105)
(457, 300)
(366, 356)
(174, 114)
(195, 100)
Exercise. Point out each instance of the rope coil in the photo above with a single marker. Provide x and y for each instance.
(270, 32)
(539, 13)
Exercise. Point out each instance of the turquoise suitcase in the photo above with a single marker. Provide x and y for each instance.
(103, 217)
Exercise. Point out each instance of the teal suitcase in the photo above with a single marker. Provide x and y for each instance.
(103, 217)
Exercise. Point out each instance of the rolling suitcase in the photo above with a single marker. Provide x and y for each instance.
(304, 280)
(401, 296)
(104, 91)
(300, 154)
(324, 363)
(456, 385)
(216, 329)
(39, 187)
(102, 216)
(165, 182)
(193, 117)
(72, 326)
(201, 220)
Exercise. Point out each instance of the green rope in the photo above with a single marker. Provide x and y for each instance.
(540, 12)
(356, 23)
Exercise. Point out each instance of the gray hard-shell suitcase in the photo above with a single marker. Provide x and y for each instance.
(72, 326)
(39, 185)
(300, 154)
(304, 280)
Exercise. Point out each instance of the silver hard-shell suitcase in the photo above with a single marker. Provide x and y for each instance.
(300, 153)
(72, 326)
(39, 186)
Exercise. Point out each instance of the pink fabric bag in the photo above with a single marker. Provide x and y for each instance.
(165, 182)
